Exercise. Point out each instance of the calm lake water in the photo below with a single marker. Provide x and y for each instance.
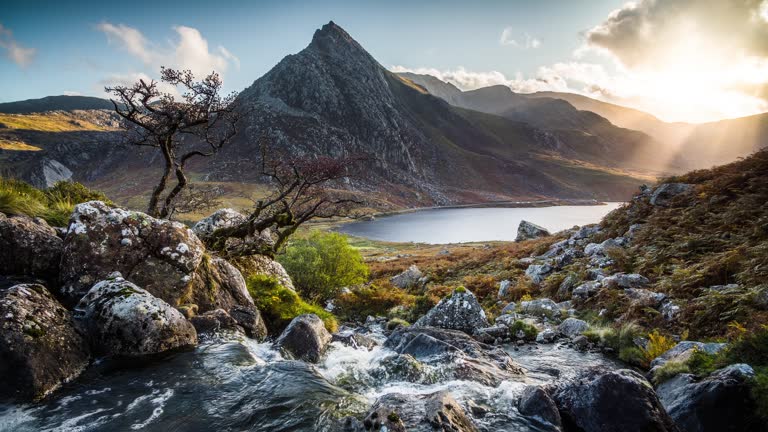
(458, 225)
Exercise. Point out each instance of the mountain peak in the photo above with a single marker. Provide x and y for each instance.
(331, 33)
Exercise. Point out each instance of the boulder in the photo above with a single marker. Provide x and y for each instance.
(29, 247)
(122, 319)
(611, 401)
(384, 416)
(567, 285)
(535, 402)
(442, 412)
(542, 307)
(460, 311)
(669, 310)
(434, 412)
(720, 402)
(586, 232)
(221, 218)
(683, 350)
(667, 193)
(159, 255)
(214, 321)
(644, 297)
(354, 339)
(586, 290)
(407, 279)
(546, 336)
(528, 231)
(623, 280)
(40, 347)
(260, 243)
(263, 265)
(571, 327)
(580, 343)
(504, 288)
(249, 318)
(601, 249)
(305, 338)
(538, 272)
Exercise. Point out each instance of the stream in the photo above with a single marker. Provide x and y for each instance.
(231, 383)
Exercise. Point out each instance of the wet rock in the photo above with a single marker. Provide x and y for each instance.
(538, 272)
(528, 231)
(29, 247)
(354, 339)
(214, 321)
(622, 280)
(461, 311)
(436, 412)
(543, 307)
(580, 343)
(263, 265)
(305, 338)
(571, 327)
(547, 336)
(402, 367)
(504, 287)
(535, 402)
(611, 401)
(250, 319)
(719, 402)
(387, 412)
(445, 414)
(683, 350)
(644, 297)
(407, 279)
(666, 194)
(159, 255)
(40, 347)
(122, 319)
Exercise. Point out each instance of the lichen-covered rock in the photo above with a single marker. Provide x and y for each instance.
(40, 347)
(538, 272)
(159, 255)
(29, 247)
(721, 402)
(667, 193)
(222, 218)
(528, 231)
(623, 280)
(543, 307)
(586, 290)
(535, 402)
(259, 243)
(611, 401)
(263, 265)
(601, 249)
(571, 327)
(305, 338)
(546, 336)
(407, 279)
(669, 310)
(644, 297)
(683, 350)
(122, 319)
(460, 311)
(214, 321)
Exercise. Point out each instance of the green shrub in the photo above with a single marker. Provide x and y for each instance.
(55, 204)
(529, 331)
(750, 348)
(669, 370)
(322, 263)
(74, 193)
(657, 345)
(702, 363)
(633, 356)
(371, 300)
(597, 333)
(395, 323)
(760, 391)
(279, 305)
(19, 198)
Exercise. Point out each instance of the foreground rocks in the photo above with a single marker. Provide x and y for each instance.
(528, 231)
(122, 319)
(460, 311)
(435, 412)
(258, 243)
(39, 346)
(611, 401)
(537, 403)
(305, 338)
(29, 247)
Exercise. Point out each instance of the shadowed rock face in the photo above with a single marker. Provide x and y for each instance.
(29, 247)
(39, 345)
(305, 338)
(461, 311)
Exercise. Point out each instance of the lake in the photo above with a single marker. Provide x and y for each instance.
(459, 225)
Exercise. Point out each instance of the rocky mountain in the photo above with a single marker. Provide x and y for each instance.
(55, 103)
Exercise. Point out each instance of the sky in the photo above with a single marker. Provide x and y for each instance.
(681, 60)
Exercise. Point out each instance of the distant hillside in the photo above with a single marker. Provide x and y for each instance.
(55, 103)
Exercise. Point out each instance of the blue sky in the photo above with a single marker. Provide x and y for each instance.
(528, 45)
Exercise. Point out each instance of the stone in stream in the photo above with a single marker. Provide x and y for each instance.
(535, 402)
(29, 247)
(528, 231)
(546, 336)
(434, 412)
(611, 401)
(721, 402)
(459, 311)
(214, 321)
(122, 319)
(305, 338)
(40, 347)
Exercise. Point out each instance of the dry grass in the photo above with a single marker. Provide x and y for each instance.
(49, 122)
(17, 146)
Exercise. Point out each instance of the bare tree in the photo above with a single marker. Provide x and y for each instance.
(198, 124)
(196, 199)
(303, 189)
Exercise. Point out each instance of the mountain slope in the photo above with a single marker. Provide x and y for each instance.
(55, 103)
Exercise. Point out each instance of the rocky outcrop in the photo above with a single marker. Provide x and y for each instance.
(40, 347)
(535, 402)
(571, 327)
(257, 244)
(221, 218)
(460, 311)
(611, 401)
(667, 193)
(543, 307)
(159, 255)
(407, 279)
(214, 321)
(529, 231)
(623, 280)
(721, 402)
(263, 265)
(29, 247)
(122, 319)
(305, 338)
(683, 350)
(538, 272)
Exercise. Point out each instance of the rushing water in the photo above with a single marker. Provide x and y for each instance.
(235, 384)
(458, 225)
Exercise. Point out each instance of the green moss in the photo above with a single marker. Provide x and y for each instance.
(395, 323)
(529, 331)
(393, 417)
(460, 290)
(280, 305)
(669, 370)
(633, 356)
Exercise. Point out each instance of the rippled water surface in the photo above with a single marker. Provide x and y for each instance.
(440, 226)
(235, 384)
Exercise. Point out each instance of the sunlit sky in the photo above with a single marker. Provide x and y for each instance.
(681, 60)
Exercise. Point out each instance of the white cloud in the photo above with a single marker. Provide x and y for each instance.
(129, 39)
(18, 54)
(72, 93)
(527, 42)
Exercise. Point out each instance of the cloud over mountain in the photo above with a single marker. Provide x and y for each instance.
(15, 52)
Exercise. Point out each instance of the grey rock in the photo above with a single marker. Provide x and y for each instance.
(408, 278)
(354, 339)
(543, 307)
(546, 336)
(29, 247)
(222, 218)
(586, 232)
(538, 272)
(439, 411)
(263, 265)
(535, 402)
(580, 343)
(442, 412)
(40, 347)
(259, 243)
(528, 231)
(305, 338)
(567, 285)
(504, 288)
(124, 320)
(665, 194)
(644, 297)
(669, 310)
(683, 350)
(601, 249)
(623, 280)
(586, 290)
(214, 321)
(461, 311)
(571, 327)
